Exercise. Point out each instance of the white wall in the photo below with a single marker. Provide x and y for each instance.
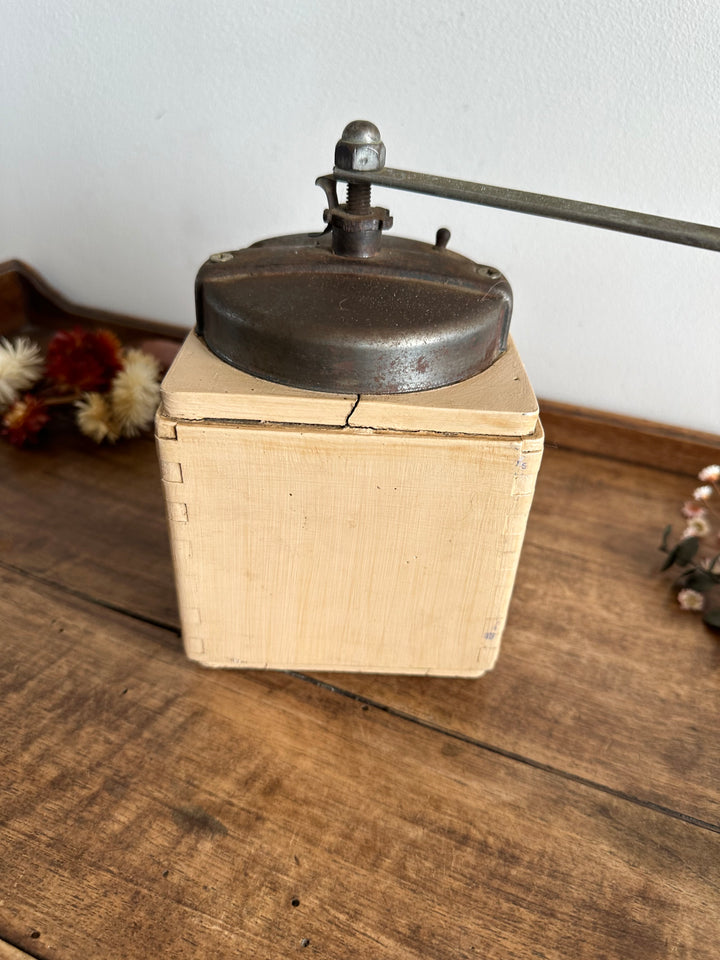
(138, 136)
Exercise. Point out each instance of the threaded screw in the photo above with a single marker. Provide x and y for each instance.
(358, 198)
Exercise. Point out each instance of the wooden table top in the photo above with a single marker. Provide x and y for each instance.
(567, 805)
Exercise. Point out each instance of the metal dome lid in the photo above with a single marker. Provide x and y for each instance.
(350, 310)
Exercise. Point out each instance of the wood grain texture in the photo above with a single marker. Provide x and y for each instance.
(316, 548)
(93, 521)
(152, 808)
(89, 518)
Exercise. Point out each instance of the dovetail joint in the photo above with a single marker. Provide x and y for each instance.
(177, 512)
(165, 429)
(171, 471)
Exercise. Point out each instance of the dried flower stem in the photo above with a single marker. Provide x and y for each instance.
(56, 401)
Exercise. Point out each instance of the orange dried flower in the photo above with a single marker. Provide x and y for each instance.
(24, 420)
(84, 360)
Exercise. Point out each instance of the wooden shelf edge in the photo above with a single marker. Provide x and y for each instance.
(28, 300)
(617, 437)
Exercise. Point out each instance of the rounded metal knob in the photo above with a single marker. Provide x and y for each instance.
(360, 147)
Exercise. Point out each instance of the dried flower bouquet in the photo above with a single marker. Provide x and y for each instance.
(114, 392)
(697, 550)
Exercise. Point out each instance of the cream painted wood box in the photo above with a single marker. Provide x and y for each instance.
(315, 531)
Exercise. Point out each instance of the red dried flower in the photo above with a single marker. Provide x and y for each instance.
(24, 420)
(83, 359)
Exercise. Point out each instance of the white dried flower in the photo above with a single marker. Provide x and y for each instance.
(94, 418)
(690, 600)
(21, 367)
(135, 393)
(702, 493)
(697, 527)
(710, 474)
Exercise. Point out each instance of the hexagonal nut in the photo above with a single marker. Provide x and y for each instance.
(360, 147)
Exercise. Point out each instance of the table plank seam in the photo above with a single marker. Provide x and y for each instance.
(511, 755)
(89, 598)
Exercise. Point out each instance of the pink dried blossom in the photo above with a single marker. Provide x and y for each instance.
(692, 509)
(690, 600)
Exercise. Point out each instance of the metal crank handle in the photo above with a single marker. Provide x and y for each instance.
(539, 205)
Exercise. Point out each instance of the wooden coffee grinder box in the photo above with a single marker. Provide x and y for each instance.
(349, 444)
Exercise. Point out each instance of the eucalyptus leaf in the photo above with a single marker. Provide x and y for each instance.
(712, 618)
(666, 533)
(686, 550)
(699, 580)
